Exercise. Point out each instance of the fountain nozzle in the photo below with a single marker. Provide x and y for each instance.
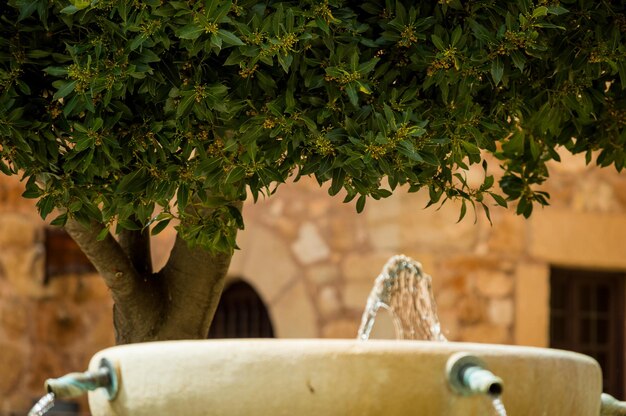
(468, 376)
(77, 384)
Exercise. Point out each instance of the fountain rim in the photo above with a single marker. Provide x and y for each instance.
(349, 346)
(319, 371)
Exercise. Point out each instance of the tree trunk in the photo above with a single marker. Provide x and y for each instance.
(177, 302)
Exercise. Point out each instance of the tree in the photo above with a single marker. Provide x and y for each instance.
(126, 115)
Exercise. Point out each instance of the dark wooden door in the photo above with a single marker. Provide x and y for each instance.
(587, 316)
(241, 314)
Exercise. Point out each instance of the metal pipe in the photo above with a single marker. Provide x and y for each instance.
(611, 406)
(467, 375)
(77, 384)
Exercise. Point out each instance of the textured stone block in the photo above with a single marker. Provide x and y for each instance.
(493, 283)
(501, 311)
(344, 328)
(12, 361)
(578, 239)
(364, 266)
(310, 246)
(508, 235)
(328, 301)
(266, 262)
(324, 273)
(293, 315)
(486, 333)
(532, 304)
(19, 231)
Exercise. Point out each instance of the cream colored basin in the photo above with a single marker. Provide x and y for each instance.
(338, 378)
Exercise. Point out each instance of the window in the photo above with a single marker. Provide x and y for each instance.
(587, 316)
(63, 256)
(241, 314)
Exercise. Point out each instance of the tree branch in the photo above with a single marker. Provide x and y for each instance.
(136, 245)
(136, 297)
(194, 279)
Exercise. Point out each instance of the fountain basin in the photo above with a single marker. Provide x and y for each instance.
(338, 377)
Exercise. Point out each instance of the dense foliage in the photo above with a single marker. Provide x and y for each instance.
(111, 107)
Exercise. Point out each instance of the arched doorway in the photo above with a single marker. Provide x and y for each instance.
(241, 313)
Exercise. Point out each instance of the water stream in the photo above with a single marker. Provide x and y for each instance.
(43, 405)
(498, 406)
(405, 291)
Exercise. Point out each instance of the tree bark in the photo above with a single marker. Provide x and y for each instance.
(137, 298)
(136, 245)
(193, 280)
(177, 302)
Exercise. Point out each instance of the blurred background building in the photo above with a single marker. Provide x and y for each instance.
(307, 263)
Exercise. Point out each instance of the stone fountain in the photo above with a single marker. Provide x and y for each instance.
(347, 377)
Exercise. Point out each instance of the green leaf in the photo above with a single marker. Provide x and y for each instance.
(519, 60)
(133, 182)
(229, 38)
(235, 174)
(480, 32)
(535, 151)
(138, 41)
(360, 204)
(499, 199)
(497, 70)
(216, 41)
(236, 214)
(160, 226)
(463, 210)
(81, 4)
(55, 71)
(190, 31)
(285, 61)
(27, 9)
(38, 54)
(367, 67)
(487, 213)
(321, 23)
(102, 234)
(83, 143)
(540, 11)
(45, 205)
(456, 35)
(64, 90)
(75, 206)
(128, 224)
(339, 176)
(182, 196)
(547, 25)
(32, 190)
(185, 105)
(438, 42)
(71, 9)
(352, 94)
(557, 10)
(59, 221)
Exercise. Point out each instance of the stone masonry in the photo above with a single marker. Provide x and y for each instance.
(46, 330)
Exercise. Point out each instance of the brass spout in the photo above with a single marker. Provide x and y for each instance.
(611, 406)
(77, 384)
(468, 376)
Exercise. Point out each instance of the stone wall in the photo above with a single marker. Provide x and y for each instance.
(313, 261)
(46, 329)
